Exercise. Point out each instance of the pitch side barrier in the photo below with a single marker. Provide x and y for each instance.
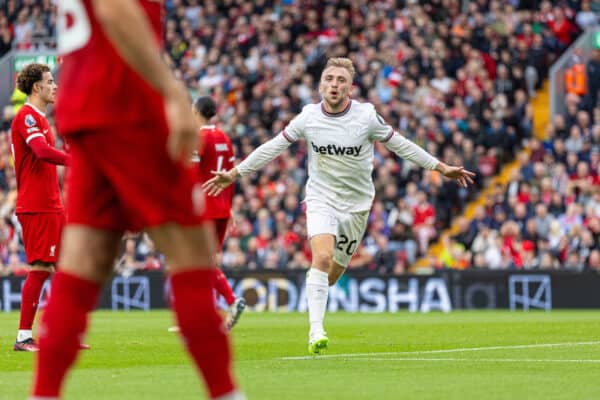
(361, 292)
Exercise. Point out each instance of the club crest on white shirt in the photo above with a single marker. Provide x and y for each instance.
(355, 129)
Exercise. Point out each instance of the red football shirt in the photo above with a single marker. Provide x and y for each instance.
(98, 90)
(216, 154)
(37, 181)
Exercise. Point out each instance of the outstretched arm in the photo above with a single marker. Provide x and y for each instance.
(255, 161)
(410, 151)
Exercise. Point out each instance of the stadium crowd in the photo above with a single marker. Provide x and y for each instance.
(456, 82)
(549, 215)
(27, 25)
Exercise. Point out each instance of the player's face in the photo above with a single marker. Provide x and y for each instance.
(47, 88)
(335, 86)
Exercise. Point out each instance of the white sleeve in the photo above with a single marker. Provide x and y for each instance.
(379, 130)
(410, 151)
(295, 129)
(263, 154)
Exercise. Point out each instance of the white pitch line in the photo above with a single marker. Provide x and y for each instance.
(477, 360)
(460, 350)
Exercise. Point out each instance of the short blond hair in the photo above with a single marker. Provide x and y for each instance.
(341, 62)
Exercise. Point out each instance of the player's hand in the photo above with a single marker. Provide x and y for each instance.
(183, 133)
(463, 177)
(218, 183)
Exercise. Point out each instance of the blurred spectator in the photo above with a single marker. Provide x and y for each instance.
(593, 261)
(424, 220)
(593, 78)
(15, 259)
(128, 262)
(454, 254)
(575, 75)
(17, 99)
(466, 232)
(27, 25)
(585, 16)
(233, 257)
(561, 27)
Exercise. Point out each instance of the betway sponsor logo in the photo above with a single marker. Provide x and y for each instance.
(334, 150)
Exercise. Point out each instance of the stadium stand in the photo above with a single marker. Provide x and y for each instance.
(458, 81)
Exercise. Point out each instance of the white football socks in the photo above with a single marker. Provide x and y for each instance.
(23, 335)
(235, 395)
(317, 291)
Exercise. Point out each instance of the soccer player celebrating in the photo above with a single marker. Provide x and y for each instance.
(39, 206)
(339, 192)
(131, 135)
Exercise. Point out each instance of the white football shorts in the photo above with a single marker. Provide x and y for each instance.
(347, 227)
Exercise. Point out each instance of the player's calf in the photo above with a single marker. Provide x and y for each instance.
(202, 327)
(63, 323)
(30, 296)
(335, 272)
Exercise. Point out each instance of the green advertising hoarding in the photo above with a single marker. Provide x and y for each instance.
(20, 61)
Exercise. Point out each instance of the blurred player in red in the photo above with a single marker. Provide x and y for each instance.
(131, 135)
(39, 206)
(216, 154)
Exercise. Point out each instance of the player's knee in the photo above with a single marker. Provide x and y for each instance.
(322, 259)
(184, 247)
(42, 266)
(93, 268)
(89, 253)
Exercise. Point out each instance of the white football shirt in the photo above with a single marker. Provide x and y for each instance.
(340, 153)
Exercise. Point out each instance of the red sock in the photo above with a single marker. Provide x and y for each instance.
(30, 297)
(222, 286)
(63, 324)
(202, 328)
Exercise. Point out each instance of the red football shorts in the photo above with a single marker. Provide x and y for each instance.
(41, 235)
(123, 179)
(220, 230)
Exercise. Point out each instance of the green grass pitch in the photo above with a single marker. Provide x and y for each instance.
(461, 355)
